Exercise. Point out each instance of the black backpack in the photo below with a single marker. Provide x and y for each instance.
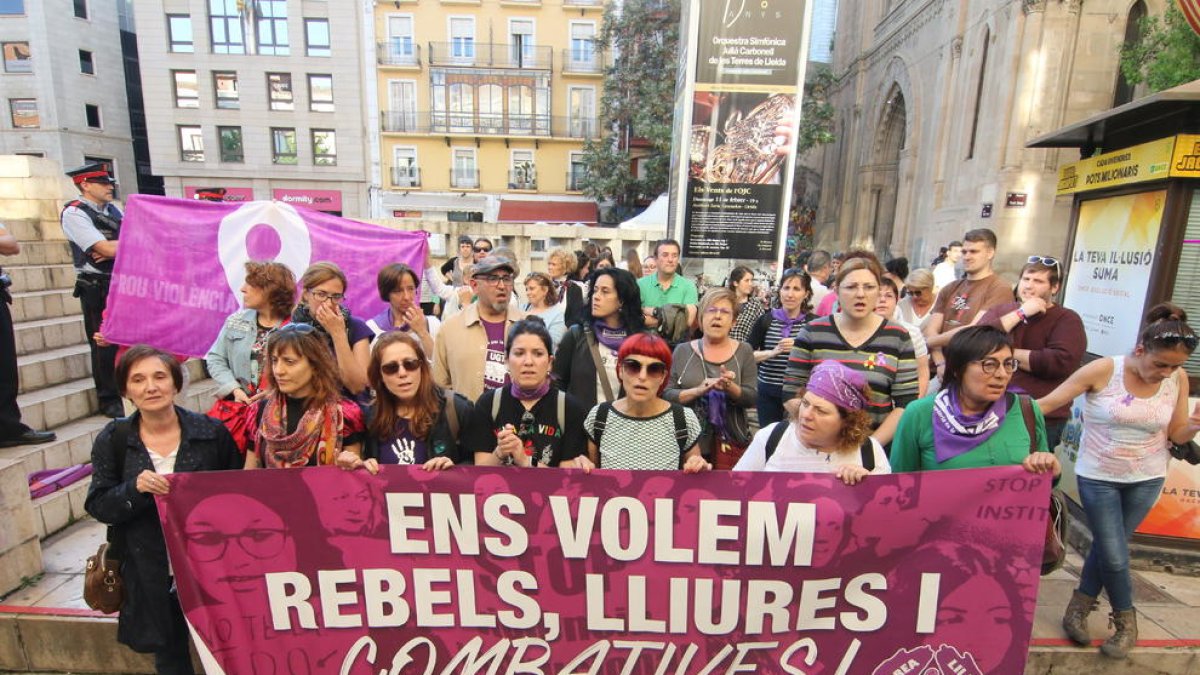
(866, 450)
(681, 428)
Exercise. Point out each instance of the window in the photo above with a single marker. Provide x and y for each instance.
(1187, 277)
(576, 173)
(1126, 92)
(324, 147)
(191, 144)
(320, 93)
(179, 33)
(12, 7)
(283, 146)
(271, 27)
(583, 43)
(462, 38)
(521, 175)
(400, 39)
(231, 144)
(24, 113)
(404, 167)
(91, 112)
(316, 37)
(279, 91)
(581, 106)
(402, 106)
(520, 36)
(225, 86)
(87, 65)
(187, 89)
(225, 24)
(462, 107)
(464, 174)
(491, 108)
(81, 9)
(17, 58)
(987, 38)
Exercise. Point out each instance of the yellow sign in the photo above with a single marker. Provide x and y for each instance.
(1185, 163)
(1136, 164)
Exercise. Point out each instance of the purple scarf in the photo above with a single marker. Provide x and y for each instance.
(530, 394)
(385, 321)
(609, 337)
(788, 322)
(955, 433)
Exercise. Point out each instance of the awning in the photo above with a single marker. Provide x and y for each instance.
(526, 211)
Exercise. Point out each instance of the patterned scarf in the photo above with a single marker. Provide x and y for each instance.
(955, 432)
(609, 337)
(319, 430)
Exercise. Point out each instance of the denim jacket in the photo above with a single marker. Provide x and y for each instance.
(228, 360)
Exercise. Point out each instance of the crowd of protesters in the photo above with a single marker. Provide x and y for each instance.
(615, 361)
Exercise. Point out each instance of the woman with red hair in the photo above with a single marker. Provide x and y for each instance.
(642, 430)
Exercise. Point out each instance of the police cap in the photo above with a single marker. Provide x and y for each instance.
(93, 173)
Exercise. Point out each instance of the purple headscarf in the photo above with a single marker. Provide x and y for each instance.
(839, 385)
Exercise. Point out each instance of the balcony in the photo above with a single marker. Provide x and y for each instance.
(406, 176)
(399, 52)
(584, 61)
(575, 180)
(584, 4)
(522, 179)
(471, 54)
(464, 179)
(488, 124)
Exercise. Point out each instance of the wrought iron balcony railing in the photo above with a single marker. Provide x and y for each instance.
(398, 52)
(488, 124)
(468, 53)
(406, 176)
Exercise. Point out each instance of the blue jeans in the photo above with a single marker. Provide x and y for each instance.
(770, 404)
(1114, 510)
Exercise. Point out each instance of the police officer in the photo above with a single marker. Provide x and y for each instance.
(92, 224)
(12, 432)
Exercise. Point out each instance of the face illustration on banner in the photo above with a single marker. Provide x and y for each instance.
(231, 561)
(267, 231)
(348, 503)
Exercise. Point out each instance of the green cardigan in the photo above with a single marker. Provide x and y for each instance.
(912, 447)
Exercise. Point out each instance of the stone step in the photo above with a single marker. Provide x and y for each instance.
(73, 446)
(43, 334)
(42, 277)
(34, 305)
(41, 253)
(59, 404)
(54, 366)
(25, 229)
(61, 508)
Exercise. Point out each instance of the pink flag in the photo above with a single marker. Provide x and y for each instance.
(182, 263)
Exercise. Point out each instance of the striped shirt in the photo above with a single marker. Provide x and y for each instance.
(886, 358)
(770, 372)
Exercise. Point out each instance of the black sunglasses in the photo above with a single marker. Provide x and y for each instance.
(393, 367)
(1173, 338)
(483, 249)
(633, 367)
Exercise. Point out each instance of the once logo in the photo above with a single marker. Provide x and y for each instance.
(925, 660)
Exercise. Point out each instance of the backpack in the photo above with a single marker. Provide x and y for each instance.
(562, 407)
(681, 428)
(866, 450)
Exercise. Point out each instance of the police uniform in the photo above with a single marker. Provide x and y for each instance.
(12, 431)
(86, 224)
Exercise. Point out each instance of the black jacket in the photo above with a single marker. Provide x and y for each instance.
(204, 445)
(575, 369)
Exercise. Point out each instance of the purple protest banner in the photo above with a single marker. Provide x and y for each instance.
(477, 570)
(182, 263)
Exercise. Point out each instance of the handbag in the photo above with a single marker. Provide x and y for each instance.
(1186, 452)
(103, 587)
(1054, 552)
(233, 415)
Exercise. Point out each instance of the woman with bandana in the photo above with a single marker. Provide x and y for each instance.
(829, 431)
(527, 422)
(772, 338)
(615, 312)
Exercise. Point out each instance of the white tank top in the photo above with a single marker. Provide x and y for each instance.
(1125, 437)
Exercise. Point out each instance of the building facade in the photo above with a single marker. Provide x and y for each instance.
(62, 84)
(935, 103)
(483, 107)
(262, 97)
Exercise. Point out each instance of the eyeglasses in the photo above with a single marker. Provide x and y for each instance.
(322, 296)
(989, 365)
(1045, 260)
(483, 249)
(259, 542)
(393, 367)
(496, 279)
(1173, 338)
(633, 368)
(301, 328)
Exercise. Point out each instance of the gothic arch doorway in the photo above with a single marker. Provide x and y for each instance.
(889, 142)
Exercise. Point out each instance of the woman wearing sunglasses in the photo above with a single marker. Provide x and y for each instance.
(973, 421)
(413, 421)
(642, 430)
(585, 363)
(527, 422)
(716, 376)
(305, 421)
(131, 459)
(916, 306)
(1136, 407)
(348, 337)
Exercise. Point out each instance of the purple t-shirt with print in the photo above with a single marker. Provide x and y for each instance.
(494, 367)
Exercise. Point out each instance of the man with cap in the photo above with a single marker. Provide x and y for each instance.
(92, 224)
(469, 350)
(215, 194)
(12, 431)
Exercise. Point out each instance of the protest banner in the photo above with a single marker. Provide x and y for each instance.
(477, 570)
(182, 264)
